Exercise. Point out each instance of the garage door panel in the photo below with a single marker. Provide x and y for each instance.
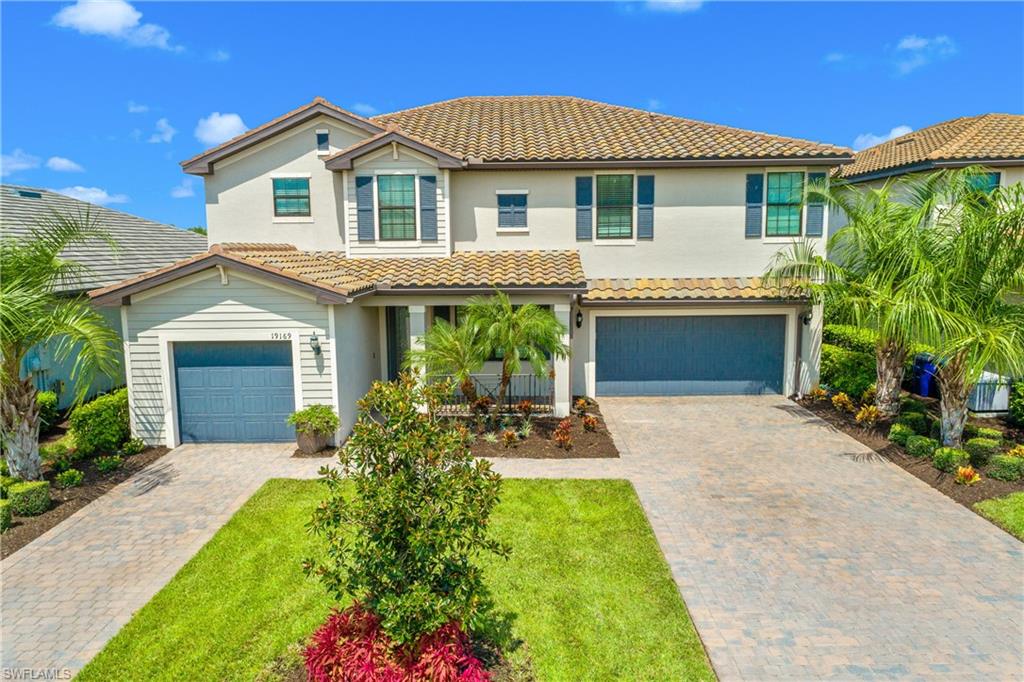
(690, 355)
(228, 393)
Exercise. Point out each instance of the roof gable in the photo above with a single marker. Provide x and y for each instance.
(343, 160)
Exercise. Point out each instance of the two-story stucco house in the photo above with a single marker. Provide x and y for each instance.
(338, 240)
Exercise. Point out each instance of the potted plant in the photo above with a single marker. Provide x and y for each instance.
(314, 427)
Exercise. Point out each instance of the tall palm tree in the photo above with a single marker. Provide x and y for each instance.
(861, 279)
(32, 312)
(450, 350)
(969, 269)
(516, 333)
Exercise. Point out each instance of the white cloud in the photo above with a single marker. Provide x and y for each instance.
(914, 51)
(164, 132)
(218, 127)
(654, 104)
(63, 165)
(184, 190)
(115, 19)
(93, 195)
(674, 5)
(18, 160)
(363, 109)
(220, 56)
(865, 140)
(136, 108)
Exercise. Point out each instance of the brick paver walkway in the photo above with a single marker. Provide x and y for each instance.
(802, 556)
(69, 591)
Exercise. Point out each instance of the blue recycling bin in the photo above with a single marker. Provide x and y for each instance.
(924, 370)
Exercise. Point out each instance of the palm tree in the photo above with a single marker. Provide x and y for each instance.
(861, 280)
(450, 351)
(515, 333)
(32, 312)
(969, 274)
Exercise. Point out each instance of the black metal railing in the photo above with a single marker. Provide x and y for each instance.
(538, 390)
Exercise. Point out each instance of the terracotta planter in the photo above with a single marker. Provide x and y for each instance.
(312, 442)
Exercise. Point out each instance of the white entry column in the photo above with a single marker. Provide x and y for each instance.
(561, 366)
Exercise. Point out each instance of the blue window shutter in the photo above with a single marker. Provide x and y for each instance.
(816, 209)
(645, 207)
(364, 207)
(584, 207)
(428, 208)
(755, 205)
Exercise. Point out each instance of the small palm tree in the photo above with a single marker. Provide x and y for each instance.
(31, 312)
(862, 278)
(450, 351)
(516, 333)
(969, 276)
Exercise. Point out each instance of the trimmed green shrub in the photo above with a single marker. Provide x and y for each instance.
(1006, 468)
(1017, 403)
(948, 459)
(48, 415)
(899, 433)
(4, 470)
(29, 498)
(5, 483)
(936, 429)
(108, 463)
(5, 515)
(970, 431)
(909, 404)
(102, 425)
(981, 450)
(133, 447)
(317, 418)
(922, 446)
(70, 478)
(994, 434)
(919, 422)
(849, 337)
(847, 371)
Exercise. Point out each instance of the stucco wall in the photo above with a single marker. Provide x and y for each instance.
(698, 223)
(357, 334)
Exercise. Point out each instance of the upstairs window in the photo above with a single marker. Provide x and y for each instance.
(291, 197)
(396, 204)
(323, 142)
(512, 211)
(985, 182)
(614, 206)
(785, 204)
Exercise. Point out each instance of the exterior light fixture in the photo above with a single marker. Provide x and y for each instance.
(806, 319)
(314, 343)
(579, 319)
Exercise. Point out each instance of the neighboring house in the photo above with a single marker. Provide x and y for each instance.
(338, 240)
(142, 246)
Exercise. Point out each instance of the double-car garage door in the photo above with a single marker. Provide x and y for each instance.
(234, 392)
(690, 355)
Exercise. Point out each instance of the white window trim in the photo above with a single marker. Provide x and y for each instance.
(789, 239)
(513, 230)
(397, 243)
(593, 227)
(323, 152)
(296, 219)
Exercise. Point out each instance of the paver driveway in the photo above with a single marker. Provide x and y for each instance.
(802, 556)
(69, 591)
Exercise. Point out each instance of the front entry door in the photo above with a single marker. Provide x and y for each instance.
(397, 338)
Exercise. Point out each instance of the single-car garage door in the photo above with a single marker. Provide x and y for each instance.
(690, 355)
(234, 392)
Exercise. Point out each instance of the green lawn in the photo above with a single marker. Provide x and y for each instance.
(590, 590)
(1006, 512)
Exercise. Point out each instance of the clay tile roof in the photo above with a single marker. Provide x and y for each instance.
(553, 128)
(988, 137)
(680, 289)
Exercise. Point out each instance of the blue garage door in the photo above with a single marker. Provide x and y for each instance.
(234, 392)
(690, 355)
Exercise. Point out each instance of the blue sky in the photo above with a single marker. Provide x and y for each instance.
(106, 98)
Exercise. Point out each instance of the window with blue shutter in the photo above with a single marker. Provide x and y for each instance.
(512, 211)
(396, 203)
(614, 206)
(291, 196)
(645, 207)
(584, 207)
(428, 208)
(755, 204)
(815, 207)
(785, 204)
(364, 207)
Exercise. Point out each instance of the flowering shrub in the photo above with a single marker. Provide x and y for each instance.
(869, 395)
(483, 404)
(563, 434)
(817, 394)
(525, 408)
(509, 438)
(842, 402)
(1016, 451)
(589, 422)
(582, 405)
(966, 475)
(351, 645)
(867, 416)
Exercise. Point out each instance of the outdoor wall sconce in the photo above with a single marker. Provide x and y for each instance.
(314, 343)
(579, 319)
(806, 319)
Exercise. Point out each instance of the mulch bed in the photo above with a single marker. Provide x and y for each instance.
(921, 467)
(595, 444)
(65, 502)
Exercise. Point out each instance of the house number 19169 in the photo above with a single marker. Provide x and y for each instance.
(280, 335)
